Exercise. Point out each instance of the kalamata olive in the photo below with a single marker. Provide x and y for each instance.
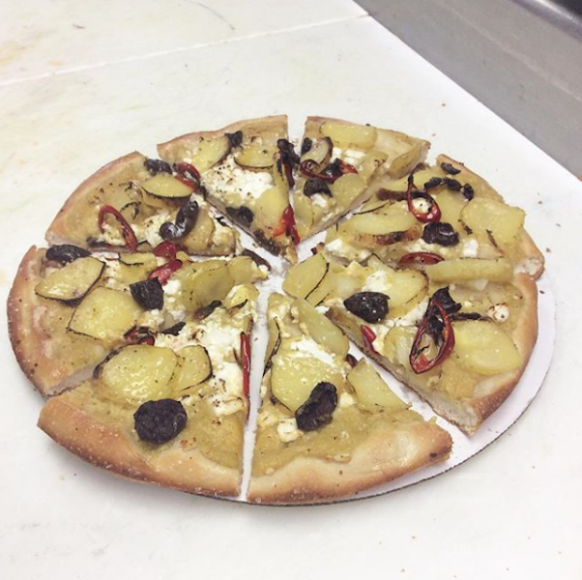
(148, 293)
(468, 191)
(369, 306)
(316, 185)
(155, 166)
(467, 316)
(333, 170)
(160, 421)
(66, 253)
(387, 194)
(433, 182)
(241, 214)
(288, 155)
(443, 297)
(317, 411)
(185, 222)
(175, 329)
(306, 145)
(235, 138)
(452, 184)
(450, 169)
(267, 243)
(441, 233)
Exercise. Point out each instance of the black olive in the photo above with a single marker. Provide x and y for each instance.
(306, 145)
(207, 310)
(333, 170)
(258, 260)
(149, 294)
(316, 185)
(369, 306)
(174, 330)
(387, 194)
(443, 297)
(66, 253)
(235, 138)
(441, 233)
(468, 191)
(452, 183)
(160, 421)
(450, 169)
(467, 316)
(433, 182)
(185, 222)
(288, 155)
(267, 243)
(241, 214)
(155, 166)
(317, 411)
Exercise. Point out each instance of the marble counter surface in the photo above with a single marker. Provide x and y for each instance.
(83, 83)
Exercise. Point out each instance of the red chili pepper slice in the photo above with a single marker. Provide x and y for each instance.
(432, 215)
(187, 170)
(287, 225)
(245, 355)
(351, 360)
(140, 335)
(308, 168)
(420, 258)
(164, 272)
(346, 167)
(423, 340)
(369, 337)
(166, 250)
(186, 181)
(126, 231)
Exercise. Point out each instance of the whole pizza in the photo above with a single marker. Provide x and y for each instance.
(137, 321)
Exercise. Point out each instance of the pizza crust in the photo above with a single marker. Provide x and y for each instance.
(386, 455)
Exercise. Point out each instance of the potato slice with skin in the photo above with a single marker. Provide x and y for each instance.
(206, 285)
(240, 294)
(321, 329)
(371, 389)
(243, 270)
(273, 342)
(166, 186)
(304, 277)
(395, 218)
(451, 205)
(469, 269)
(256, 156)
(271, 205)
(105, 314)
(341, 134)
(484, 348)
(347, 188)
(199, 238)
(194, 368)
(370, 163)
(73, 281)
(137, 373)
(210, 152)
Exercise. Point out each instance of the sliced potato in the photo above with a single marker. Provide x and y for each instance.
(321, 329)
(194, 368)
(303, 209)
(138, 373)
(386, 220)
(73, 281)
(139, 259)
(347, 188)
(200, 237)
(370, 164)
(451, 205)
(320, 152)
(206, 284)
(362, 136)
(240, 294)
(256, 155)
(484, 348)
(305, 276)
(244, 270)
(105, 314)
(166, 186)
(274, 340)
(271, 205)
(397, 345)
(371, 389)
(469, 269)
(210, 152)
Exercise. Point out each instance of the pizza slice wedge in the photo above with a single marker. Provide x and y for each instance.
(135, 203)
(246, 171)
(171, 412)
(339, 163)
(326, 429)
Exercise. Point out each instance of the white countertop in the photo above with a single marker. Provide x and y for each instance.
(84, 82)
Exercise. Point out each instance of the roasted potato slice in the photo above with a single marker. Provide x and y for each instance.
(271, 205)
(194, 367)
(304, 277)
(166, 186)
(210, 152)
(347, 188)
(344, 135)
(470, 269)
(203, 285)
(371, 389)
(256, 156)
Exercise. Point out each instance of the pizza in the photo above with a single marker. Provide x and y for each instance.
(136, 322)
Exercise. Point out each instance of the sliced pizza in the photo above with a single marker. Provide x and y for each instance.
(172, 412)
(246, 171)
(338, 161)
(436, 213)
(326, 429)
(134, 204)
(460, 332)
(68, 307)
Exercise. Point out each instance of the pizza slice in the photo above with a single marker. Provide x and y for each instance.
(246, 171)
(338, 162)
(68, 307)
(326, 429)
(172, 412)
(436, 213)
(460, 332)
(135, 203)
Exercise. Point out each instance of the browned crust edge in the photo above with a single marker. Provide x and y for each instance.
(386, 455)
(58, 232)
(497, 388)
(109, 448)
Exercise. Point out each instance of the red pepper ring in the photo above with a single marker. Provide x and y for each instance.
(140, 335)
(369, 336)
(166, 250)
(188, 171)
(164, 272)
(418, 360)
(432, 215)
(245, 355)
(128, 234)
(426, 258)
(287, 225)
(346, 167)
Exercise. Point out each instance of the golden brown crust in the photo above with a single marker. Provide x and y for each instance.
(66, 227)
(31, 343)
(387, 454)
(108, 446)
